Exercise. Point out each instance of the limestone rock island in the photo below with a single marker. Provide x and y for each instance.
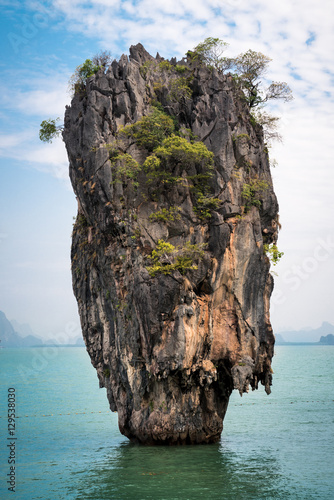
(175, 205)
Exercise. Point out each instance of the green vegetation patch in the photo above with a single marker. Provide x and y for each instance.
(151, 130)
(179, 89)
(166, 215)
(273, 253)
(176, 152)
(205, 205)
(49, 130)
(252, 192)
(166, 258)
(77, 82)
(126, 168)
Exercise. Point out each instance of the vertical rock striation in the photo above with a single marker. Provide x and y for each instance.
(170, 347)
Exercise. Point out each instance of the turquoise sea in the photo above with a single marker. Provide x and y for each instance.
(68, 445)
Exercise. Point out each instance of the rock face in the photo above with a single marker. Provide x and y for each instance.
(171, 345)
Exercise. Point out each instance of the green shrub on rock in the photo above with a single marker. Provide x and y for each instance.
(166, 215)
(125, 168)
(151, 130)
(251, 193)
(178, 154)
(273, 253)
(205, 205)
(166, 258)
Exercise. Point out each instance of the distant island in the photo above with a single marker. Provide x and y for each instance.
(328, 340)
(324, 335)
(13, 334)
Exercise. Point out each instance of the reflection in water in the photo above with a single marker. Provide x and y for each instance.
(189, 472)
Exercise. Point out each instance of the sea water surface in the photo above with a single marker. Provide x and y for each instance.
(68, 445)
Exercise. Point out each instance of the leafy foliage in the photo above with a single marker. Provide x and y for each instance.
(251, 192)
(273, 253)
(250, 67)
(126, 168)
(166, 258)
(166, 215)
(205, 205)
(151, 130)
(210, 53)
(157, 174)
(242, 136)
(181, 68)
(176, 152)
(49, 130)
(146, 68)
(268, 123)
(102, 59)
(179, 90)
(165, 66)
(77, 81)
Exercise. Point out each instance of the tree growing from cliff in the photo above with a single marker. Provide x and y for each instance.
(210, 52)
(102, 59)
(250, 67)
(49, 130)
(268, 122)
(77, 82)
(251, 193)
(166, 163)
(273, 253)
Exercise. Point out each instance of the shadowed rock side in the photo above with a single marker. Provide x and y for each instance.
(170, 348)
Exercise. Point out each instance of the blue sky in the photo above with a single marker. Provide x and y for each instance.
(42, 42)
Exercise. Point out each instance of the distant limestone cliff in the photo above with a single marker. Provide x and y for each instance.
(175, 205)
(327, 340)
(12, 334)
(310, 335)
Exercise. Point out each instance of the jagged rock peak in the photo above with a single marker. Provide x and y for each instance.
(139, 54)
(175, 203)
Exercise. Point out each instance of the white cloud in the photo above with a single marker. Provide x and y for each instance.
(45, 98)
(46, 94)
(304, 177)
(48, 158)
(12, 141)
(42, 102)
(278, 28)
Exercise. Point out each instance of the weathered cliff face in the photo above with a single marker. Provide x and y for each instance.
(171, 346)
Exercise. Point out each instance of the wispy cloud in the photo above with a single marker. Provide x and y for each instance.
(24, 107)
(297, 34)
(47, 158)
(300, 32)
